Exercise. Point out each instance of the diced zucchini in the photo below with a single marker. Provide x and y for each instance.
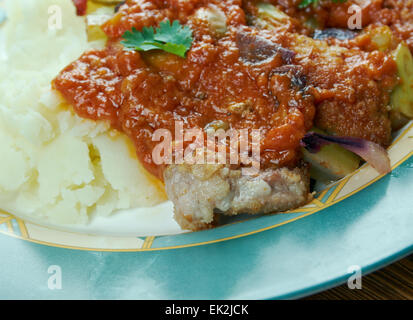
(95, 20)
(266, 9)
(402, 96)
(270, 16)
(382, 37)
(332, 162)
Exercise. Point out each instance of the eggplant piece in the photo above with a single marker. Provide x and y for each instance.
(340, 34)
(296, 74)
(256, 49)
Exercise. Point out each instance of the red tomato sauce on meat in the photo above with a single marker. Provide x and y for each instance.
(217, 81)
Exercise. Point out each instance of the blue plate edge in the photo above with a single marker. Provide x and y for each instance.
(327, 285)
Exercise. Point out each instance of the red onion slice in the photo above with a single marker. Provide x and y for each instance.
(371, 152)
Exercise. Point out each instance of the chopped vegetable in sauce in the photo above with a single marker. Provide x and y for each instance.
(402, 96)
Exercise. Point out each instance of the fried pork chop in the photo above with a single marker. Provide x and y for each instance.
(200, 191)
(237, 75)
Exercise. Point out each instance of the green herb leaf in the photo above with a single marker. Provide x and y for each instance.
(306, 3)
(172, 38)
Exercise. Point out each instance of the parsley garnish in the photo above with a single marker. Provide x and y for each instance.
(172, 38)
(306, 3)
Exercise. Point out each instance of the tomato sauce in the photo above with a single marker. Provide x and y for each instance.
(398, 14)
(280, 88)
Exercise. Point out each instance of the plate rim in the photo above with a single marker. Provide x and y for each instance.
(148, 241)
(368, 264)
(340, 280)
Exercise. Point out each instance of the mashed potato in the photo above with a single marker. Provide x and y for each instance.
(56, 166)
